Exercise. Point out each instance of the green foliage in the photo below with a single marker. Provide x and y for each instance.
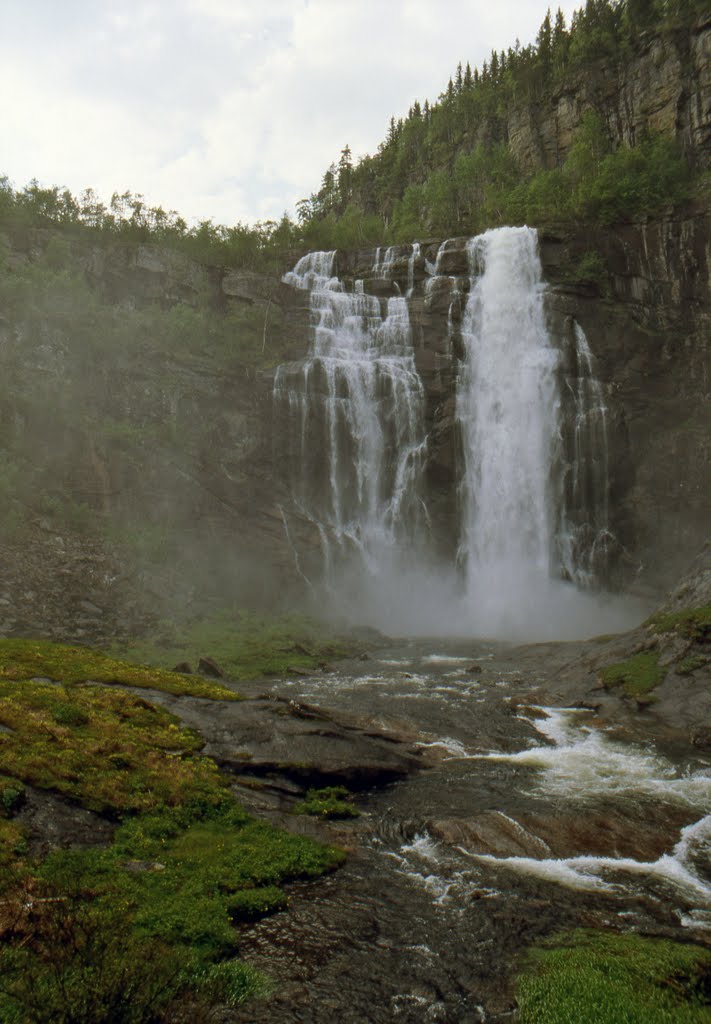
(184, 875)
(110, 750)
(128, 219)
(12, 795)
(328, 802)
(602, 978)
(433, 174)
(590, 270)
(76, 965)
(247, 645)
(693, 623)
(688, 665)
(24, 659)
(250, 904)
(637, 676)
(116, 934)
(230, 983)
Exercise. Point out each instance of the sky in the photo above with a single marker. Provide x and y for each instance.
(229, 110)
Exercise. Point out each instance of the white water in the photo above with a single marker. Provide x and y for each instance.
(507, 407)
(582, 764)
(356, 419)
(533, 500)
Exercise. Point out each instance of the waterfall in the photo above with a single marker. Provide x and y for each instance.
(355, 409)
(508, 413)
(584, 538)
(529, 428)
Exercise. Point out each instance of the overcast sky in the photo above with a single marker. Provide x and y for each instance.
(225, 109)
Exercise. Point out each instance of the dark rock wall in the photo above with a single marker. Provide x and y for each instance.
(208, 453)
(665, 86)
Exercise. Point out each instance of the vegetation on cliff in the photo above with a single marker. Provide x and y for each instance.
(447, 168)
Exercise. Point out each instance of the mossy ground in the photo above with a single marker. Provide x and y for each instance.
(637, 676)
(25, 659)
(693, 623)
(107, 749)
(329, 802)
(246, 646)
(113, 934)
(602, 978)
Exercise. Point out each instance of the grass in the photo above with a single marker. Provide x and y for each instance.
(693, 623)
(689, 665)
(186, 875)
(247, 646)
(25, 659)
(602, 978)
(637, 676)
(112, 935)
(109, 750)
(329, 802)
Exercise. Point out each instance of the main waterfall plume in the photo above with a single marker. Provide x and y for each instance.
(507, 408)
(527, 532)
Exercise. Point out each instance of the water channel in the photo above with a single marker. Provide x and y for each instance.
(532, 820)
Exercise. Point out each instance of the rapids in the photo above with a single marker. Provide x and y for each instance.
(533, 820)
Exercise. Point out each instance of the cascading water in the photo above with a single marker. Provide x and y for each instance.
(532, 437)
(356, 421)
(584, 538)
(507, 407)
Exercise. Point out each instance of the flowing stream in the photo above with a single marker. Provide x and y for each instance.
(533, 820)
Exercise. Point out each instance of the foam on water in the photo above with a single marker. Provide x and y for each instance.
(582, 762)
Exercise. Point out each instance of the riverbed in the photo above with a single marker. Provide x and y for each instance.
(531, 820)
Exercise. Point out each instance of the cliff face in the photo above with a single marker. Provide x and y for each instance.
(651, 334)
(647, 319)
(664, 87)
(135, 436)
(141, 460)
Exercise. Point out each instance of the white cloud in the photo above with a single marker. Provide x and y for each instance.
(222, 108)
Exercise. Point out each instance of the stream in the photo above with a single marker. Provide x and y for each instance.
(533, 820)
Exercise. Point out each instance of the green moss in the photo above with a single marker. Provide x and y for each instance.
(601, 978)
(689, 665)
(119, 754)
(24, 659)
(247, 646)
(637, 676)
(186, 874)
(693, 623)
(12, 794)
(329, 802)
(151, 917)
(249, 904)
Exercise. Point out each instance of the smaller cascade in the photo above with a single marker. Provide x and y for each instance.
(414, 256)
(584, 537)
(383, 266)
(354, 412)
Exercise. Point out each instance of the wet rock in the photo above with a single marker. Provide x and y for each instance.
(52, 823)
(701, 738)
(209, 667)
(475, 670)
(491, 833)
(268, 736)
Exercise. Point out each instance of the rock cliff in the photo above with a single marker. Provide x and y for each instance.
(665, 86)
